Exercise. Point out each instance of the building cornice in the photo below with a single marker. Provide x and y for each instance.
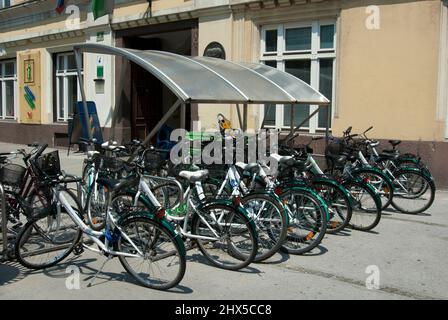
(198, 9)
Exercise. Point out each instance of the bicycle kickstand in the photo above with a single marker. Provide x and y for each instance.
(108, 258)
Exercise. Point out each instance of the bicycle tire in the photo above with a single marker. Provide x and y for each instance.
(277, 235)
(310, 227)
(374, 210)
(387, 187)
(160, 233)
(428, 186)
(241, 259)
(26, 234)
(335, 197)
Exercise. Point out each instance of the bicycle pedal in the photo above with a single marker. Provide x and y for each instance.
(78, 249)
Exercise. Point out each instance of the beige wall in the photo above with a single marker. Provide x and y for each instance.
(388, 77)
(139, 7)
(214, 28)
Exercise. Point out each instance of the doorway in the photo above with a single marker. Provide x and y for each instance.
(150, 99)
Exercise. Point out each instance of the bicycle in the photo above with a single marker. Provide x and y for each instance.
(145, 235)
(222, 229)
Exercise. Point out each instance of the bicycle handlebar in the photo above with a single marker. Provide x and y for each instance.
(40, 150)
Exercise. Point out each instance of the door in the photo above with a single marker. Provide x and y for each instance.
(146, 102)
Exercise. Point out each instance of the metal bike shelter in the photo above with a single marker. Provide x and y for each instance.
(201, 80)
(212, 81)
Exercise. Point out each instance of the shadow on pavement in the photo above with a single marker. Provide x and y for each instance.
(277, 258)
(10, 273)
(317, 251)
(93, 278)
(197, 257)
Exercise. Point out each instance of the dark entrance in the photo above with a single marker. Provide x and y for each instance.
(149, 99)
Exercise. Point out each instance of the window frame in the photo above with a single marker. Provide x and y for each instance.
(64, 73)
(3, 79)
(315, 54)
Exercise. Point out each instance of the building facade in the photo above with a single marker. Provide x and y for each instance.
(382, 63)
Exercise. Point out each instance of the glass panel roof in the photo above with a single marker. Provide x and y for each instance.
(211, 80)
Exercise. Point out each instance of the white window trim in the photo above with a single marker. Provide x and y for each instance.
(3, 78)
(64, 73)
(316, 53)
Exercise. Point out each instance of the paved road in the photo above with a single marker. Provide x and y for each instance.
(408, 250)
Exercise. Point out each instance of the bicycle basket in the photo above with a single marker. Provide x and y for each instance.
(335, 147)
(154, 160)
(103, 163)
(50, 164)
(12, 174)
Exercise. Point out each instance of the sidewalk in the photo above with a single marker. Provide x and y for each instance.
(71, 164)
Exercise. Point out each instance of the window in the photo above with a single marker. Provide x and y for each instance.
(5, 3)
(8, 81)
(308, 52)
(67, 87)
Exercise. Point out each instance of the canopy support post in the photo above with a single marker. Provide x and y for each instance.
(245, 117)
(327, 129)
(183, 117)
(301, 124)
(240, 120)
(78, 56)
(124, 68)
(292, 119)
(162, 121)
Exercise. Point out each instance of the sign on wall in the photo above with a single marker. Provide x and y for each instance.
(29, 87)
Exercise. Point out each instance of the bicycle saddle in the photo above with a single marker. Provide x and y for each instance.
(249, 167)
(115, 185)
(390, 154)
(194, 176)
(394, 143)
(288, 161)
(281, 159)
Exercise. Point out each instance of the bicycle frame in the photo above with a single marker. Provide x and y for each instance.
(89, 232)
(185, 199)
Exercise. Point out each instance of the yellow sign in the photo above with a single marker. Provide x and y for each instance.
(29, 87)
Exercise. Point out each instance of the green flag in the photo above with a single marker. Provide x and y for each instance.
(101, 8)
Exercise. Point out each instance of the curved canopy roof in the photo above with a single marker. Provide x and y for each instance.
(211, 80)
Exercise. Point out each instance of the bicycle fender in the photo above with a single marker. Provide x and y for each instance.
(373, 170)
(425, 172)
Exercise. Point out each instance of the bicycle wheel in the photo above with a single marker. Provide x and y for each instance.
(46, 241)
(382, 185)
(366, 212)
(307, 220)
(94, 199)
(270, 219)
(168, 194)
(228, 239)
(162, 263)
(339, 206)
(415, 192)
